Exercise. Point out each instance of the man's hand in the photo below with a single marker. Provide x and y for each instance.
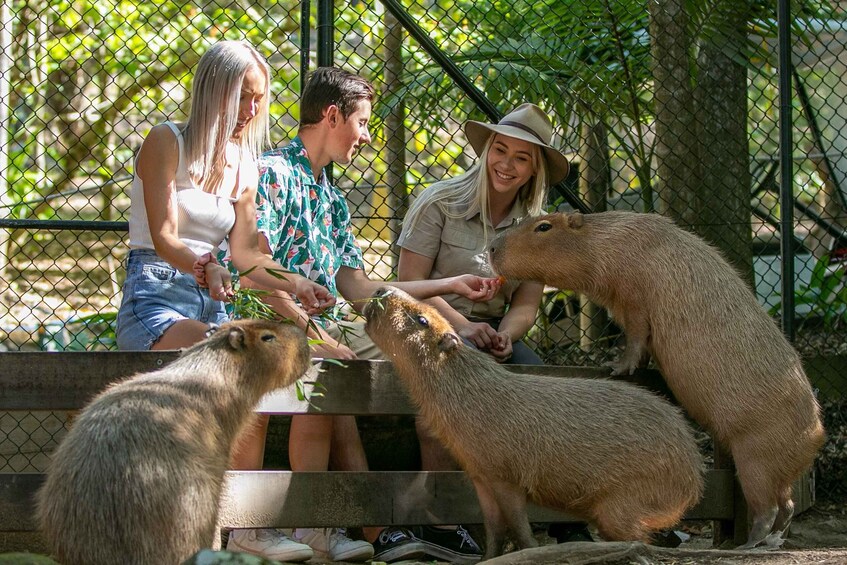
(313, 297)
(475, 288)
(332, 349)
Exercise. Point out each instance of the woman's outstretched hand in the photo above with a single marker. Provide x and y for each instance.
(476, 288)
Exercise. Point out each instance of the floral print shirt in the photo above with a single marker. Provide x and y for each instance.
(306, 221)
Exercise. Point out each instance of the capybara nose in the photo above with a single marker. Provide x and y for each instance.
(382, 292)
(492, 255)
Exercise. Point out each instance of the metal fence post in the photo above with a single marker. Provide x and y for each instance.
(786, 166)
(305, 41)
(326, 32)
(326, 50)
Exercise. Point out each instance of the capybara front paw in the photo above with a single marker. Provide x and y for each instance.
(621, 368)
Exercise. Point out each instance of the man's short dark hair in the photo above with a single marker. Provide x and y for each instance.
(330, 85)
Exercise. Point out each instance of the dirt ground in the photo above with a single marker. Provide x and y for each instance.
(818, 536)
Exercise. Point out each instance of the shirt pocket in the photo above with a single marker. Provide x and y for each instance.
(458, 238)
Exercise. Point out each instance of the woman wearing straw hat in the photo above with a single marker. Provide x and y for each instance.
(448, 230)
(449, 227)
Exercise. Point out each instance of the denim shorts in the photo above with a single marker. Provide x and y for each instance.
(155, 296)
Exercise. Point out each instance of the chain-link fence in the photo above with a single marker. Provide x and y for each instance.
(668, 106)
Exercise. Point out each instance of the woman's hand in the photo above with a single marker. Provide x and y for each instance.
(313, 297)
(209, 274)
(482, 335)
(475, 288)
(501, 350)
(220, 282)
(199, 269)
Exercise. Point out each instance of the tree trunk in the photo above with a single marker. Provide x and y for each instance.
(676, 145)
(721, 96)
(595, 179)
(395, 132)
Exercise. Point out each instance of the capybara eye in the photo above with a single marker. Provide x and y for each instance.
(543, 226)
(423, 321)
(268, 337)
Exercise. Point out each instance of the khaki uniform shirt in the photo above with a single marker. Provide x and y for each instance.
(459, 247)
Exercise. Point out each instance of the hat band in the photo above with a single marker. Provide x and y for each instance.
(523, 127)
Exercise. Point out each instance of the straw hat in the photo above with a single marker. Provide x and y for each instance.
(529, 123)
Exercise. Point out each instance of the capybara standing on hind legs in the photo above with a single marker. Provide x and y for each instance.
(137, 479)
(679, 300)
(608, 452)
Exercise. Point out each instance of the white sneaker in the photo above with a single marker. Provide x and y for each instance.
(269, 543)
(333, 544)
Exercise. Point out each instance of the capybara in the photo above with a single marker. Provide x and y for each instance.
(678, 300)
(608, 452)
(138, 477)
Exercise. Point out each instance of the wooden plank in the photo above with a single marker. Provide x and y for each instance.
(326, 499)
(17, 501)
(803, 493)
(68, 380)
(828, 374)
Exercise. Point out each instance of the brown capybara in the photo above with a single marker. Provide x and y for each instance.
(137, 479)
(679, 301)
(608, 452)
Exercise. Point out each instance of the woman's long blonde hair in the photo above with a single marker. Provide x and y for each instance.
(467, 194)
(215, 98)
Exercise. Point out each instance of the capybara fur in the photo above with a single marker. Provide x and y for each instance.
(608, 452)
(138, 477)
(679, 301)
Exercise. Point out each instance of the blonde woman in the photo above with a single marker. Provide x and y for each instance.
(449, 227)
(447, 232)
(194, 186)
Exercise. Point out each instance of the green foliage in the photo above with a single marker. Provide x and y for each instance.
(248, 303)
(87, 333)
(826, 294)
(92, 76)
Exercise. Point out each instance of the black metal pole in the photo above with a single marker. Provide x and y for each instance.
(326, 52)
(786, 166)
(464, 83)
(305, 40)
(326, 33)
(75, 225)
(442, 59)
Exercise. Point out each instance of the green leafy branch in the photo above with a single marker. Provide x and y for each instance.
(825, 294)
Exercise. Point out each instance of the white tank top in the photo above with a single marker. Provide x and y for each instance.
(203, 219)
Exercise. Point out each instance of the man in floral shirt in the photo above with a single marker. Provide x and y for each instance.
(304, 223)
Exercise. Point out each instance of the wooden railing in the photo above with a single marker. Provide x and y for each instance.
(67, 381)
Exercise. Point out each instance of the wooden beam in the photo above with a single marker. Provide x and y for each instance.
(326, 499)
(68, 380)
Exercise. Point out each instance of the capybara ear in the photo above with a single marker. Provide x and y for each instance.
(575, 220)
(449, 342)
(236, 338)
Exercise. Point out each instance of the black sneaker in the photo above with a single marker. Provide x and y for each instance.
(450, 544)
(397, 544)
(566, 532)
(666, 538)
